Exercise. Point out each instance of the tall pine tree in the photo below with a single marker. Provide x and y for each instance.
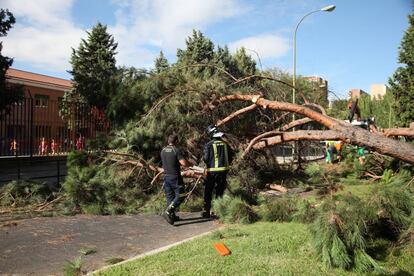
(161, 63)
(93, 64)
(199, 50)
(245, 64)
(8, 93)
(402, 82)
(225, 60)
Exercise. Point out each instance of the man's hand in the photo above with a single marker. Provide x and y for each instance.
(184, 163)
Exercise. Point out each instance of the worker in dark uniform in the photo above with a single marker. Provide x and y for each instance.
(217, 156)
(173, 182)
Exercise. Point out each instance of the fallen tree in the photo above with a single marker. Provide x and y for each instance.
(338, 130)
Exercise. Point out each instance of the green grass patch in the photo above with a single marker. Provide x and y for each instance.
(257, 249)
(262, 248)
(360, 190)
(114, 260)
(73, 268)
(87, 251)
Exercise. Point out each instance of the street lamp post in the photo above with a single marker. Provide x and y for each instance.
(325, 9)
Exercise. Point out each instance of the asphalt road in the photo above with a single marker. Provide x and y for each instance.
(43, 246)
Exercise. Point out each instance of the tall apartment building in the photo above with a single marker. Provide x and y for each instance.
(321, 86)
(356, 93)
(378, 91)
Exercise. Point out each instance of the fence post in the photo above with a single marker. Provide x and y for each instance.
(31, 127)
(18, 168)
(58, 171)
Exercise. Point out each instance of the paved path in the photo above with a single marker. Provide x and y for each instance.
(42, 246)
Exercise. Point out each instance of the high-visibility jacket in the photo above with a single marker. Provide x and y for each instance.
(217, 156)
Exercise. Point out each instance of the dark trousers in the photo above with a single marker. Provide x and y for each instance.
(214, 181)
(173, 186)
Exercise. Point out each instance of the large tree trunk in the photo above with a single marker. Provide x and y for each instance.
(338, 130)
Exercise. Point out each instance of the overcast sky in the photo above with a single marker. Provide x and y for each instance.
(354, 46)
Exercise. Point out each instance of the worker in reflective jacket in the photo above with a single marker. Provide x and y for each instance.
(217, 156)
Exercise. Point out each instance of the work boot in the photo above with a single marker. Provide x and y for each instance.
(206, 210)
(168, 218)
(169, 215)
(176, 218)
(206, 214)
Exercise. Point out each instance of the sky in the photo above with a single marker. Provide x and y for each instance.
(354, 46)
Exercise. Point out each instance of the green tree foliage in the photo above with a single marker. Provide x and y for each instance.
(225, 60)
(381, 109)
(339, 109)
(93, 64)
(8, 93)
(340, 231)
(161, 63)
(199, 50)
(246, 65)
(234, 210)
(97, 188)
(402, 82)
(127, 100)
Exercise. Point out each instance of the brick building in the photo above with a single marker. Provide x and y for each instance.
(356, 93)
(37, 116)
(320, 87)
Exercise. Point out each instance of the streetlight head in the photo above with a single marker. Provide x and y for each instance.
(328, 8)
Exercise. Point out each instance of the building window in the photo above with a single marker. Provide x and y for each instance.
(41, 100)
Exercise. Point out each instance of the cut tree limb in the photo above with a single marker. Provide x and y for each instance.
(236, 114)
(339, 130)
(407, 131)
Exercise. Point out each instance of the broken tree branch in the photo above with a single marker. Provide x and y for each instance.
(339, 130)
(257, 138)
(406, 131)
(236, 114)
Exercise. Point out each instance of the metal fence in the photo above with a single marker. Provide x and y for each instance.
(48, 169)
(308, 150)
(39, 127)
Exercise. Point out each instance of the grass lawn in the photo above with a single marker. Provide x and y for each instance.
(265, 248)
(261, 248)
(257, 249)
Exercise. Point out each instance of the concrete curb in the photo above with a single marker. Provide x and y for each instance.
(152, 252)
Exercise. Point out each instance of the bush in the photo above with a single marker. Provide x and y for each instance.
(25, 192)
(305, 211)
(192, 205)
(104, 188)
(101, 142)
(314, 170)
(278, 209)
(339, 232)
(156, 205)
(407, 237)
(233, 210)
(243, 176)
(393, 202)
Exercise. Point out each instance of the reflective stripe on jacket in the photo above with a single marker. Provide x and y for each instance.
(216, 156)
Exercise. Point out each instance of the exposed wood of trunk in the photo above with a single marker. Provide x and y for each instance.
(236, 114)
(296, 123)
(408, 131)
(309, 135)
(343, 131)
